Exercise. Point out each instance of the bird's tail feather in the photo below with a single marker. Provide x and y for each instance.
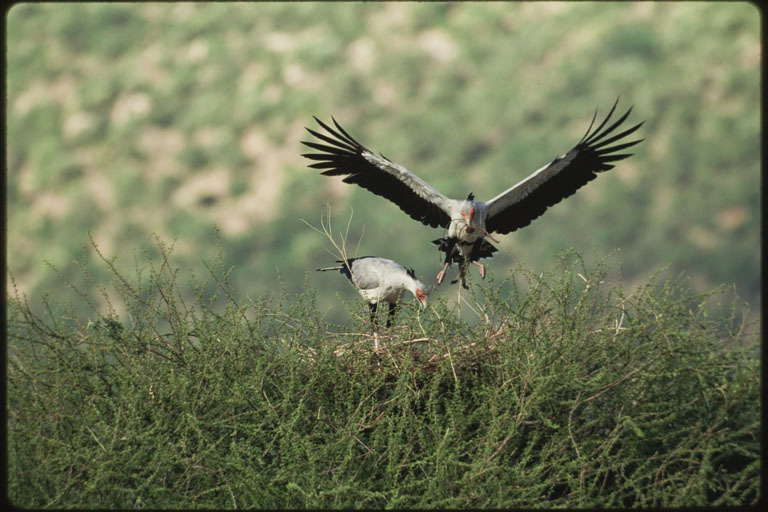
(329, 268)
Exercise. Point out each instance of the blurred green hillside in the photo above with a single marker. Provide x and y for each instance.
(128, 120)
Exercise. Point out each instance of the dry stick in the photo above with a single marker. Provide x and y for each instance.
(341, 246)
(458, 302)
(498, 450)
(620, 321)
(327, 231)
(96, 438)
(364, 446)
(409, 342)
(570, 432)
(623, 378)
(519, 418)
(232, 495)
(450, 358)
(267, 398)
(475, 311)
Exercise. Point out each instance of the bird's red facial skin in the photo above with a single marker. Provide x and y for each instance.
(420, 295)
(468, 219)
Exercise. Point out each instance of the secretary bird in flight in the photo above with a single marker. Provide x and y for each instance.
(470, 222)
(381, 280)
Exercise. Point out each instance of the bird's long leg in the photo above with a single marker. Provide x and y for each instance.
(372, 306)
(481, 267)
(372, 314)
(441, 274)
(391, 315)
(449, 246)
(458, 299)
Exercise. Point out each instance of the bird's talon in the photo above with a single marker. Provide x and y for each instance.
(481, 267)
(441, 274)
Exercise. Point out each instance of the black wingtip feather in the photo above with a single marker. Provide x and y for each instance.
(618, 147)
(601, 132)
(599, 128)
(616, 158)
(595, 144)
(337, 153)
(593, 154)
(343, 131)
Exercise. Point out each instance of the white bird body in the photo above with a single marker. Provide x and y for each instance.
(468, 222)
(468, 227)
(381, 280)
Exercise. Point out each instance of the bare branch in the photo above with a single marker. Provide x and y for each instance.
(339, 246)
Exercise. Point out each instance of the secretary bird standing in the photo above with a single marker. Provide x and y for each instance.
(381, 280)
(470, 222)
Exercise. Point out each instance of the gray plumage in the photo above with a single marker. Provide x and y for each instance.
(381, 280)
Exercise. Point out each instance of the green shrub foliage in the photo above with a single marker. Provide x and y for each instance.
(565, 391)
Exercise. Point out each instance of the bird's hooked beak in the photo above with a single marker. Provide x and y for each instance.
(470, 228)
(421, 296)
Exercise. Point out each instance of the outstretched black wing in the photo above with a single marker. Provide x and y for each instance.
(341, 155)
(517, 206)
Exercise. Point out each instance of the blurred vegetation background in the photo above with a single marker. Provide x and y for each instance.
(128, 120)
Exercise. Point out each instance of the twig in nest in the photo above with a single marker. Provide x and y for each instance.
(327, 231)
